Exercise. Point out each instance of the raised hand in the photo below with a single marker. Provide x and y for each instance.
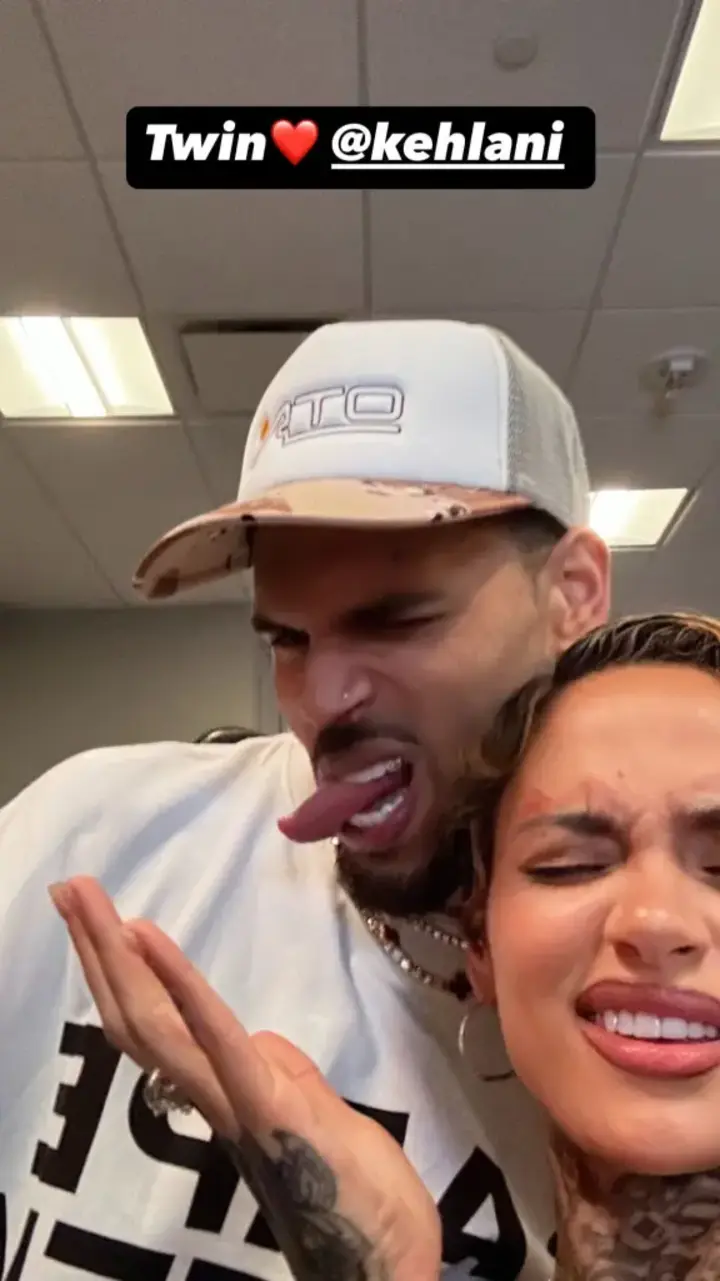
(342, 1199)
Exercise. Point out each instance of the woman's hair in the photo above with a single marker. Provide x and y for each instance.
(690, 639)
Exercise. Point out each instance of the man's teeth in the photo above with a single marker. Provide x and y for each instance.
(385, 807)
(382, 811)
(379, 770)
(648, 1027)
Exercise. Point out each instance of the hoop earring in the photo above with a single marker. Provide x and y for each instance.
(505, 1073)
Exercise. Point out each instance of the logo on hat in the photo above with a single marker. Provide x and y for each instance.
(262, 436)
(357, 409)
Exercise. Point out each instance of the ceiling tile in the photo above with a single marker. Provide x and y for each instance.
(166, 344)
(606, 56)
(457, 251)
(170, 53)
(35, 123)
(220, 445)
(121, 487)
(242, 253)
(644, 452)
(666, 253)
(233, 371)
(42, 562)
(59, 253)
(683, 574)
(619, 345)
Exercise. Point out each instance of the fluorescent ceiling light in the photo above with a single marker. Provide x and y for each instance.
(53, 367)
(694, 113)
(634, 517)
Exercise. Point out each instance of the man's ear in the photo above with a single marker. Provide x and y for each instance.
(481, 975)
(578, 582)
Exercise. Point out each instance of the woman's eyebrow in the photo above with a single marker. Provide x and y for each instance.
(703, 815)
(579, 822)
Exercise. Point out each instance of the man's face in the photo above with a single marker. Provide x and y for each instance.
(392, 651)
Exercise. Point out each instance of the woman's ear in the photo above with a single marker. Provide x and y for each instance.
(481, 975)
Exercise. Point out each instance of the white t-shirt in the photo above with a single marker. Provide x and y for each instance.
(91, 1183)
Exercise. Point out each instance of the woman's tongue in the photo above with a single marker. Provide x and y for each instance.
(334, 803)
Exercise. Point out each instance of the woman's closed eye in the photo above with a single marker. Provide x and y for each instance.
(571, 866)
(702, 850)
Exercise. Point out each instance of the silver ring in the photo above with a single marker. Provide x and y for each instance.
(162, 1095)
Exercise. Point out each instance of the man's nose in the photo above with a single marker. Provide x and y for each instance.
(337, 683)
(657, 923)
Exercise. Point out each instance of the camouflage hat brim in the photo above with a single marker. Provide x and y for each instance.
(216, 544)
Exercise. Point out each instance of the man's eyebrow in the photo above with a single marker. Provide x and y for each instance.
(261, 624)
(362, 616)
(579, 822)
(388, 606)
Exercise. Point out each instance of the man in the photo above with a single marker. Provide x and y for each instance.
(412, 501)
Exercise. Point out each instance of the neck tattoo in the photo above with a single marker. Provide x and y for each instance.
(635, 1227)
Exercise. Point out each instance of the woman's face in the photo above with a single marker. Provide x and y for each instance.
(604, 918)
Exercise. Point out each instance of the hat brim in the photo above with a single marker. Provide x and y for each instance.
(216, 544)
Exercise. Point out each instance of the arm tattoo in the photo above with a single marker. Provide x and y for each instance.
(635, 1227)
(298, 1192)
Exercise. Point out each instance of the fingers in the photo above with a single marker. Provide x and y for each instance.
(129, 997)
(138, 978)
(107, 1006)
(96, 978)
(244, 1076)
(287, 1058)
(138, 1015)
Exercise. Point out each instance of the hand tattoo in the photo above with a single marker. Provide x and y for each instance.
(635, 1227)
(298, 1192)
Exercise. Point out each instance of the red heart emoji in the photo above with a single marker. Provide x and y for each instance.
(294, 141)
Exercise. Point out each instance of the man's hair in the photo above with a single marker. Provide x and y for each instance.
(535, 532)
(532, 530)
(691, 640)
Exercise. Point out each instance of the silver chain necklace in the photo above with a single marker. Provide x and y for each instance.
(387, 936)
(389, 940)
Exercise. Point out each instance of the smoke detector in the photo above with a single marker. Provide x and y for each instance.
(671, 373)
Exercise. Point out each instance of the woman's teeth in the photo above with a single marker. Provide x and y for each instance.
(648, 1027)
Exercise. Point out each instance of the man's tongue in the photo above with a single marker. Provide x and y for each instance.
(334, 803)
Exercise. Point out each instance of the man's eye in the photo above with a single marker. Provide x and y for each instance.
(408, 624)
(285, 640)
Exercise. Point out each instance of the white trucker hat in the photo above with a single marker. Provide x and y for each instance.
(395, 423)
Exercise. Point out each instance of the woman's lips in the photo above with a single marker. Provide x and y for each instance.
(651, 998)
(651, 1030)
(652, 1058)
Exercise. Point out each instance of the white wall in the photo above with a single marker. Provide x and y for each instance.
(69, 681)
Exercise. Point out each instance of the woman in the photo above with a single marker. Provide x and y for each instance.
(596, 924)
